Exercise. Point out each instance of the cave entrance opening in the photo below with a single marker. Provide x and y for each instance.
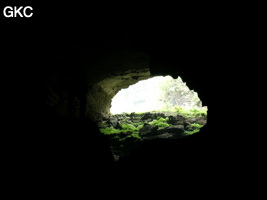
(160, 93)
(157, 108)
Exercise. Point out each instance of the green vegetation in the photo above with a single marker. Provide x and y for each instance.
(181, 111)
(193, 128)
(138, 124)
(126, 131)
(192, 132)
(184, 112)
(160, 122)
(109, 131)
(131, 130)
(125, 137)
(195, 125)
(126, 134)
(125, 128)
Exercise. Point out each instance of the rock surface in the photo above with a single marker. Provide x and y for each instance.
(88, 92)
(83, 86)
(128, 130)
(118, 71)
(148, 130)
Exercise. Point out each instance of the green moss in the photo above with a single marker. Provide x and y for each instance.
(109, 131)
(196, 125)
(160, 122)
(193, 128)
(129, 128)
(124, 120)
(184, 112)
(192, 132)
(138, 123)
(133, 128)
(126, 135)
(127, 131)
(189, 113)
(140, 126)
(134, 135)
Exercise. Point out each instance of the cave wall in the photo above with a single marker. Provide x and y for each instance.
(201, 53)
(108, 74)
(100, 94)
(85, 86)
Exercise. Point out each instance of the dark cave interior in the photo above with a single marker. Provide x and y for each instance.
(67, 134)
(59, 77)
(75, 96)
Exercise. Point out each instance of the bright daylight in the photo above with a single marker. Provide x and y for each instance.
(161, 93)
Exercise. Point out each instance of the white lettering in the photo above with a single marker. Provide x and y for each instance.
(20, 11)
(17, 11)
(10, 11)
(24, 11)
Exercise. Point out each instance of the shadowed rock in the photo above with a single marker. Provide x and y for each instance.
(173, 132)
(148, 129)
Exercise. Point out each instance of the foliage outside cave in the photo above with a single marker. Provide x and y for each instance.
(177, 113)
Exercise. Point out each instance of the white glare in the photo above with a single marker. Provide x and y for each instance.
(157, 93)
(140, 97)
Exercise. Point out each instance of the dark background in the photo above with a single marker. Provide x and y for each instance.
(203, 45)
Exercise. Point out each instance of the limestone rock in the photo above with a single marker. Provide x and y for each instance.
(123, 142)
(165, 136)
(172, 132)
(176, 120)
(148, 129)
(113, 121)
(146, 116)
(86, 89)
(197, 120)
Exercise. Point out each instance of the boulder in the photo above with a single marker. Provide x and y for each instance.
(197, 120)
(148, 129)
(159, 115)
(172, 129)
(172, 132)
(132, 115)
(113, 121)
(146, 116)
(176, 120)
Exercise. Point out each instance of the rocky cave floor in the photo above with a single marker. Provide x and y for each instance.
(126, 131)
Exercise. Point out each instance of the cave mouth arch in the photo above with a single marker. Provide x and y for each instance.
(155, 108)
